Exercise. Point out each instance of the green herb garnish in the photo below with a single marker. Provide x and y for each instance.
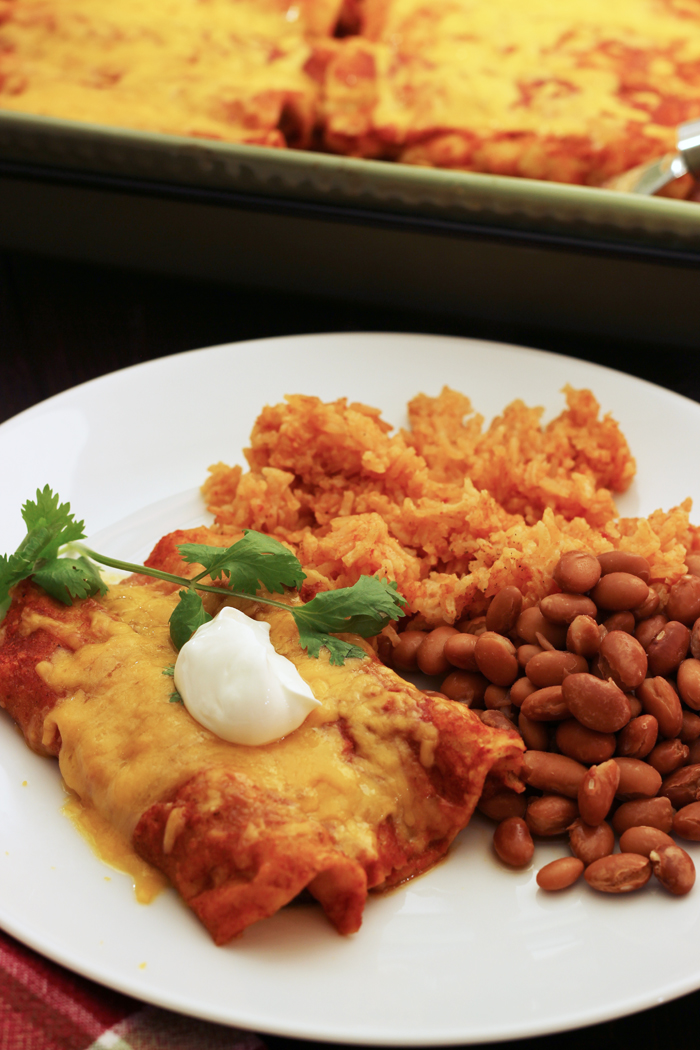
(169, 672)
(50, 525)
(244, 568)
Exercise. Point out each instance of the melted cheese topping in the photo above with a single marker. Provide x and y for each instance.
(219, 68)
(124, 746)
(570, 90)
(555, 67)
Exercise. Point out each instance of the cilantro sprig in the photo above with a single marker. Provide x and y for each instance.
(50, 525)
(256, 562)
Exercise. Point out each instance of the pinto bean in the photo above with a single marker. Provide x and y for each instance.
(495, 658)
(637, 779)
(648, 608)
(643, 840)
(504, 610)
(695, 640)
(674, 869)
(596, 704)
(620, 621)
(521, 688)
(694, 755)
(624, 561)
(513, 842)
(584, 745)
(526, 652)
(591, 843)
(594, 665)
(577, 572)
(476, 626)
(555, 774)
(459, 651)
(691, 727)
(545, 705)
(563, 608)
(684, 600)
(638, 737)
(496, 698)
(686, 822)
(688, 682)
(626, 659)
(668, 648)
(498, 720)
(550, 815)
(597, 792)
(692, 562)
(682, 786)
(385, 650)
(618, 873)
(551, 668)
(660, 699)
(466, 687)
(559, 874)
(430, 656)
(406, 650)
(583, 637)
(648, 629)
(545, 645)
(531, 622)
(502, 805)
(635, 705)
(668, 755)
(651, 812)
(533, 733)
(618, 591)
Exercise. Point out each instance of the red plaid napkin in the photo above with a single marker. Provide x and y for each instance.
(44, 1007)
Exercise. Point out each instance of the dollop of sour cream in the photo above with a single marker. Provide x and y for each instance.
(233, 682)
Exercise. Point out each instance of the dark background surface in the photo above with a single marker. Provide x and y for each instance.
(63, 323)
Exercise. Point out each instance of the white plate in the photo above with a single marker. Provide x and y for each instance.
(470, 952)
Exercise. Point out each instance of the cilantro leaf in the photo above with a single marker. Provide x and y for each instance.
(188, 615)
(50, 524)
(256, 560)
(364, 609)
(69, 578)
(313, 641)
(21, 564)
(55, 517)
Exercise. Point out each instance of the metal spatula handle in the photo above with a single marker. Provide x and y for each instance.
(689, 145)
(649, 178)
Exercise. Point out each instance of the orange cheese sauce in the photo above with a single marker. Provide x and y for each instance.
(114, 849)
(124, 746)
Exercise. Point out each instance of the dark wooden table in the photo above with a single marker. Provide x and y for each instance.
(63, 323)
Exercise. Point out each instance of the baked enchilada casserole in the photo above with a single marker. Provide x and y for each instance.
(571, 91)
